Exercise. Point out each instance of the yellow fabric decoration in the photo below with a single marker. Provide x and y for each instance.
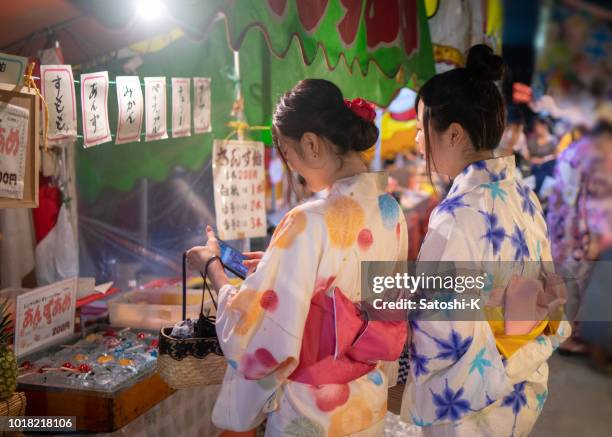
(239, 127)
(509, 344)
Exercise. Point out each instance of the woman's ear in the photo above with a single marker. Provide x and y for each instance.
(458, 135)
(311, 145)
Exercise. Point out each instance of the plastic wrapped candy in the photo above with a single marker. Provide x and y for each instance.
(112, 342)
(105, 359)
(183, 329)
(26, 365)
(93, 338)
(94, 363)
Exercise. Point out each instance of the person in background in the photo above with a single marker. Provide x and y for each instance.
(580, 216)
(299, 351)
(514, 142)
(473, 377)
(542, 146)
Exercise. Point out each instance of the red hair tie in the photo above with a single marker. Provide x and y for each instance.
(362, 108)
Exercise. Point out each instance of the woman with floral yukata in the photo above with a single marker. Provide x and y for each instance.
(485, 377)
(299, 352)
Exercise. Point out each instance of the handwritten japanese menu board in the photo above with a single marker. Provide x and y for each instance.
(238, 174)
(57, 86)
(94, 105)
(44, 315)
(13, 143)
(129, 100)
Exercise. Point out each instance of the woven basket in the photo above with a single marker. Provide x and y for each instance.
(13, 406)
(192, 371)
(191, 362)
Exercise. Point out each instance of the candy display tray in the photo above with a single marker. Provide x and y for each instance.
(96, 410)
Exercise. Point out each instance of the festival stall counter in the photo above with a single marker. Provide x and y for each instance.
(105, 379)
(106, 375)
(137, 403)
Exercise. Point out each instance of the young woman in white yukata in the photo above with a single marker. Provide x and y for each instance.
(298, 350)
(478, 378)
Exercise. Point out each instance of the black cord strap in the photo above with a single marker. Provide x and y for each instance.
(204, 287)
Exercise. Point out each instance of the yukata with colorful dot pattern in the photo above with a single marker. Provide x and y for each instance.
(317, 249)
(460, 382)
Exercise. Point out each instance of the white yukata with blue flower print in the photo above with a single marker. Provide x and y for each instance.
(459, 383)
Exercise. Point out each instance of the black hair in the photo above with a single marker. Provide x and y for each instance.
(317, 106)
(514, 115)
(467, 96)
(602, 127)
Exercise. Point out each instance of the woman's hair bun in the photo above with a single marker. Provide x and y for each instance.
(317, 106)
(483, 64)
(363, 135)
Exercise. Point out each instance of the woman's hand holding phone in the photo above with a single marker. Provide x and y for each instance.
(198, 257)
(253, 260)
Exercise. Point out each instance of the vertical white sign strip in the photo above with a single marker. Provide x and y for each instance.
(131, 106)
(94, 106)
(181, 107)
(155, 102)
(57, 86)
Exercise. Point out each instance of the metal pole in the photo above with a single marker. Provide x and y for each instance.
(144, 212)
(247, 241)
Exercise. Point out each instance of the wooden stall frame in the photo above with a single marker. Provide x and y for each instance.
(98, 411)
(25, 98)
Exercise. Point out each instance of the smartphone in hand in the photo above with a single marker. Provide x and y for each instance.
(232, 259)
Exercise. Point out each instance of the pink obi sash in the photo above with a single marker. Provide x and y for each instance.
(339, 346)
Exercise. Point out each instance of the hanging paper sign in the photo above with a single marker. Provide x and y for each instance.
(201, 110)
(19, 153)
(239, 178)
(57, 86)
(44, 315)
(13, 142)
(12, 68)
(181, 107)
(94, 101)
(129, 100)
(155, 100)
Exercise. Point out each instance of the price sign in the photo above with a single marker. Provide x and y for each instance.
(239, 180)
(44, 315)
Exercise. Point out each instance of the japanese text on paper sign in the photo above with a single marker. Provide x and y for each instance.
(239, 189)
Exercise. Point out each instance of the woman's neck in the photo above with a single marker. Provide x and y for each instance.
(351, 165)
(469, 158)
(478, 155)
